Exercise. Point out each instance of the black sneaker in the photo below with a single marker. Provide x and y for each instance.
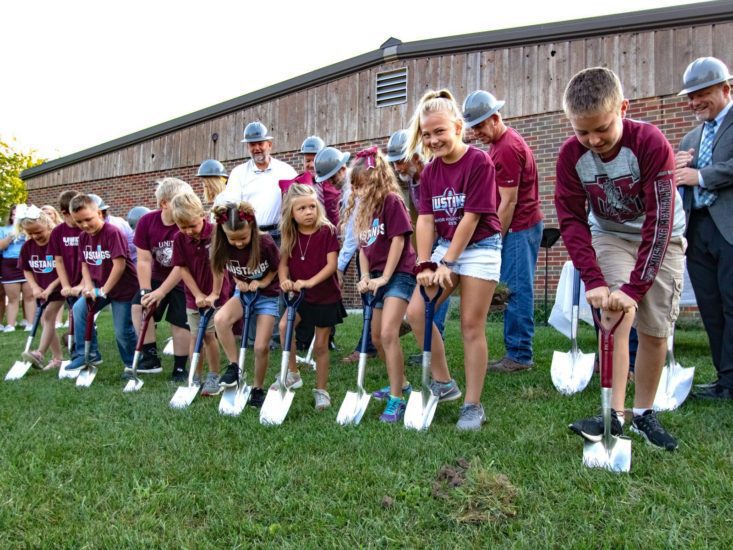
(256, 398)
(149, 364)
(179, 375)
(648, 426)
(231, 377)
(591, 428)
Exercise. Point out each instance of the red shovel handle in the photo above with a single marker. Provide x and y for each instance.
(607, 348)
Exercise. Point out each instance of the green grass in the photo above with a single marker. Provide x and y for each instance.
(101, 468)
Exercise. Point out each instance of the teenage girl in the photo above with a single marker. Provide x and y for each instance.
(40, 272)
(14, 283)
(251, 258)
(387, 260)
(458, 202)
(308, 261)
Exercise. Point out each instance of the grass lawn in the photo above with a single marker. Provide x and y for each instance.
(101, 468)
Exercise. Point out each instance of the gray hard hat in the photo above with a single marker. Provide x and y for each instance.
(99, 201)
(312, 145)
(704, 72)
(397, 146)
(135, 213)
(256, 131)
(479, 106)
(211, 167)
(328, 161)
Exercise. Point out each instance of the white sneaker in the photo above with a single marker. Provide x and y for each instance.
(323, 400)
(293, 381)
(9, 329)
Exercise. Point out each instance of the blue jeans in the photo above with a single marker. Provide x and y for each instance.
(518, 263)
(122, 319)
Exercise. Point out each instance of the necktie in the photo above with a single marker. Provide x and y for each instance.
(703, 197)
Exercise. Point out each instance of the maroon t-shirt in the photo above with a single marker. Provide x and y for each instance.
(308, 257)
(269, 260)
(39, 260)
(153, 235)
(449, 190)
(515, 167)
(98, 251)
(331, 199)
(393, 221)
(64, 242)
(193, 254)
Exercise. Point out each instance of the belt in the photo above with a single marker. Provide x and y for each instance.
(268, 228)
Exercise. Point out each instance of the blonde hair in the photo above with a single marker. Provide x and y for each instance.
(43, 219)
(53, 214)
(169, 188)
(372, 185)
(288, 226)
(186, 207)
(234, 216)
(441, 101)
(213, 185)
(592, 91)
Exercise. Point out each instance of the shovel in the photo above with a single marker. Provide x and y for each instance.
(19, 368)
(234, 399)
(168, 348)
(572, 371)
(185, 395)
(277, 401)
(675, 383)
(308, 359)
(421, 405)
(136, 383)
(356, 403)
(611, 452)
(88, 371)
(63, 373)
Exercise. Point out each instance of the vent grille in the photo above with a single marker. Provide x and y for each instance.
(392, 87)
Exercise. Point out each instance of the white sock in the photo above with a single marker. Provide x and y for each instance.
(639, 412)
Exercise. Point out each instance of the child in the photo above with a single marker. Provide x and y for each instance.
(630, 248)
(108, 277)
(215, 179)
(458, 201)
(251, 258)
(308, 262)
(387, 259)
(191, 259)
(39, 270)
(64, 246)
(14, 283)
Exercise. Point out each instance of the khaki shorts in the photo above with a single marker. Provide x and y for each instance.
(193, 321)
(660, 306)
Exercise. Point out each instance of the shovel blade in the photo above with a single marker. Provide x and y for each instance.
(420, 411)
(276, 407)
(133, 385)
(168, 349)
(184, 396)
(63, 373)
(86, 376)
(233, 400)
(353, 408)
(674, 387)
(614, 457)
(571, 372)
(18, 370)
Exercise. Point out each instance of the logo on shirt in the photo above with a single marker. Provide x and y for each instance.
(234, 267)
(42, 266)
(71, 241)
(95, 257)
(164, 253)
(369, 237)
(617, 199)
(449, 202)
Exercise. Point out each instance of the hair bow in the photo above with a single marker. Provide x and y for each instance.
(370, 154)
(25, 212)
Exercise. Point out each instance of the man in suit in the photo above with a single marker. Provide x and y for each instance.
(704, 174)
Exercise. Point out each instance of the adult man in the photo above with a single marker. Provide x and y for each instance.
(704, 172)
(521, 223)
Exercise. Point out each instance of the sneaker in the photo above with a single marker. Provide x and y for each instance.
(323, 400)
(353, 357)
(9, 329)
(211, 385)
(415, 360)
(78, 362)
(394, 411)
(446, 391)
(27, 328)
(126, 374)
(648, 426)
(471, 417)
(230, 378)
(34, 358)
(292, 382)
(506, 364)
(53, 364)
(383, 393)
(591, 428)
(149, 364)
(256, 398)
(179, 375)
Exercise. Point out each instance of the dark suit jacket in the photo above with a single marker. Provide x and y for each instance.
(718, 176)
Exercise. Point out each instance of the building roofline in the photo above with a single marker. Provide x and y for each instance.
(702, 13)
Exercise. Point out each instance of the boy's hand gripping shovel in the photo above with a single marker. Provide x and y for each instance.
(19, 368)
(185, 395)
(63, 373)
(234, 399)
(572, 371)
(136, 383)
(356, 403)
(277, 402)
(421, 405)
(675, 383)
(611, 452)
(89, 371)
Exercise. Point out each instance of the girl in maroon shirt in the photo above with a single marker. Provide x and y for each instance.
(251, 258)
(308, 263)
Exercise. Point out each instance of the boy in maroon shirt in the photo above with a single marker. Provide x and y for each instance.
(630, 248)
(108, 277)
(64, 246)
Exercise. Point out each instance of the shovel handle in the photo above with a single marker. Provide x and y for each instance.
(40, 307)
(248, 300)
(429, 315)
(204, 318)
(292, 304)
(89, 328)
(369, 299)
(607, 348)
(147, 316)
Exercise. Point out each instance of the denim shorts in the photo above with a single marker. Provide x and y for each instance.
(400, 285)
(481, 259)
(265, 305)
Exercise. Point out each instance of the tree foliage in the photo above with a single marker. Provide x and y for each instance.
(12, 163)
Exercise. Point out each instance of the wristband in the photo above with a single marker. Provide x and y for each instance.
(99, 293)
(449, 265)
(144, 291)
(422, 266)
